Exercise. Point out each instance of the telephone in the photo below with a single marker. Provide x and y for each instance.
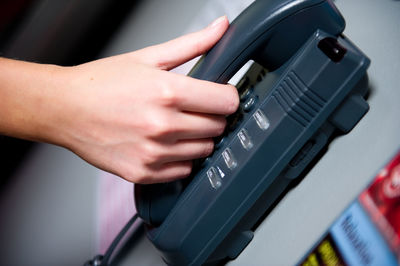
(307, 82)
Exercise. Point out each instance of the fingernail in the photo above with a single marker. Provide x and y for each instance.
(217, 21)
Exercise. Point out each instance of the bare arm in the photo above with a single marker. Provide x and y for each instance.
(125, 114)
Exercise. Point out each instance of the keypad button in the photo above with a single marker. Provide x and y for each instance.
(246, 94)
(245, 139)
(214, 177)
(229, 159)
(261, 119)
(250, 103)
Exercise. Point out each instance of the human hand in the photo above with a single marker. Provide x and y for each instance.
(128, 115)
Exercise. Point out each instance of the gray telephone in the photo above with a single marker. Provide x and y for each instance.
(286, 117)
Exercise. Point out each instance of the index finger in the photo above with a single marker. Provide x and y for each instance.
(202, 96)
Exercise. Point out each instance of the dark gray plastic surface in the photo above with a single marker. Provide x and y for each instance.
(298, 107)
(204, 216)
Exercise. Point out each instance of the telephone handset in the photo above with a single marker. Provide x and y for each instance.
(284, 120)
(269, 32)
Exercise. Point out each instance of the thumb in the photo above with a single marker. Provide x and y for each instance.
(180, 50)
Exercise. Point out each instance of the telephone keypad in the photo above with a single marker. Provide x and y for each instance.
(249, 100)
(260, 141)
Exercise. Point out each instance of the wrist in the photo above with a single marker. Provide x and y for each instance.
(53, 106)
(31, 95)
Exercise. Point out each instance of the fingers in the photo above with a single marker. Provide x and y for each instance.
(198, 126)
(185, 150)
(180, 50)
(207, 97)
(171, 118)
(169, 172)
(193, 95)
(183, 125)
(164, 163)
(174, 161)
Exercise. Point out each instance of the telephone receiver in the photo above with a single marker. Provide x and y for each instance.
(285, 119)
(268, 32)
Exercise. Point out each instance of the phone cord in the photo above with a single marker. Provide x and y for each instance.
(100, 260)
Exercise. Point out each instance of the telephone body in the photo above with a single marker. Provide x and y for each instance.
(307, 82)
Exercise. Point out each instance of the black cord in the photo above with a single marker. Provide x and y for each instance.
(100, 260)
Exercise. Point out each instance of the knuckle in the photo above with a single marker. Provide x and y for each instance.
(168, 95)
(151, 154)
(134, 178)
(143, 178)
(135, 174)
(160, 126)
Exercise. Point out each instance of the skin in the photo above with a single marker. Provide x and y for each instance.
(124, 114)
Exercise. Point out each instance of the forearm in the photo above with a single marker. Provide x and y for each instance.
(29, 100)
(125, 114)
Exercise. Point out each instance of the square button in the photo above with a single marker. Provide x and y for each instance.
(261, 119)
(229, 159)
(214, 177)
(245, 139)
